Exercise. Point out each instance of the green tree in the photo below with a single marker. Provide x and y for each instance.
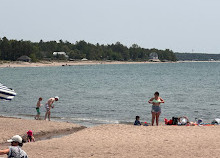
(33, 57)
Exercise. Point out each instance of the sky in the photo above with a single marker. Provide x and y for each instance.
(183, 26)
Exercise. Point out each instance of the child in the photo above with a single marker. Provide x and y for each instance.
(37, 117)
(30, 137)
(137, 122)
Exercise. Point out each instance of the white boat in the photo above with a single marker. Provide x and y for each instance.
(6, 93)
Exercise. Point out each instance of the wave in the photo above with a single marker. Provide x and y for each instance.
(91, 121)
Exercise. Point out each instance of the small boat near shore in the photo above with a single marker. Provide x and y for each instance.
(6, 93)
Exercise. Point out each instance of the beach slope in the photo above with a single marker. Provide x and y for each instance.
(41, 129)
(128, 141)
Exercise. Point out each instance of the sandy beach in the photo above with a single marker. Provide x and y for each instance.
(116, 140)
(64, 63)
(78, 63)
(11, 126)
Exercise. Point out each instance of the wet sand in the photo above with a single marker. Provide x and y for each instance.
(116, 140)
(42, 129)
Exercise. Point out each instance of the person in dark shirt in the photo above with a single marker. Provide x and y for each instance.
(137, 122)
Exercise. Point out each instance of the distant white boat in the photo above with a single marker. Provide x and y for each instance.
(6, 93)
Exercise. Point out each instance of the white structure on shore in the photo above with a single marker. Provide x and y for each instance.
(153, 57)
(60, 53)
(84, 59)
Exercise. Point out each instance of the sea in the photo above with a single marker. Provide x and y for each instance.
(92, 95)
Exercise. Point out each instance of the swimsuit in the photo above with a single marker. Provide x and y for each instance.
(47, 107)
(156, 101)
(156, 108)
(30, 138)
(38, 110)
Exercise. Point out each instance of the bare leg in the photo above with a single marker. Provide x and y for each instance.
(153, 118)
(49, 115)
(38, 117)
(157, 118)
(45, 115)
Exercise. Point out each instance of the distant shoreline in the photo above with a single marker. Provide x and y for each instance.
(78, 63)
(67, 63)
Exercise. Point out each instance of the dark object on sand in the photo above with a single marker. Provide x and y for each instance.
(216, 121)
(175, 120)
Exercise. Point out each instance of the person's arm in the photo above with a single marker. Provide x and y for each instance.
(150, 101)
(40, 104)
(162, 101)
(2, 152)
(33, 138)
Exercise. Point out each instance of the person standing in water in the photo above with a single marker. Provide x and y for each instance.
(50, 105)
(37, 117)
(156, 110)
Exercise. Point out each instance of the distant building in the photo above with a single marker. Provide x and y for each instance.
(84, 59)
(24, 58)
(153, 57)
(60, 53)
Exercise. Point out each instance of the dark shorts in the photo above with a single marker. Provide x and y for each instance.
(156, 109)
(30, 138)
(38, 111)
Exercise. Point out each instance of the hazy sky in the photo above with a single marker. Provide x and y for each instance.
(180, 25)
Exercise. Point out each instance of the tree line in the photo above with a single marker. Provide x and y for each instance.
(197, 56)
(43, 50)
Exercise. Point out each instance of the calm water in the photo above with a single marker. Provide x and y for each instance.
(100, 94)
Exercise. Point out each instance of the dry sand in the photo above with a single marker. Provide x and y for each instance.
(128, 141)
(122, 141)
(116, 140)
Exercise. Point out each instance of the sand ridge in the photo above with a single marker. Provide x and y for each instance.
(13, 126)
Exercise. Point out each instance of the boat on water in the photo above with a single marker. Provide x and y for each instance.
(6, 93)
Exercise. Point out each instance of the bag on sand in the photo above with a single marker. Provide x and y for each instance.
(168, 122)
(216, 121)
(175, 120)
